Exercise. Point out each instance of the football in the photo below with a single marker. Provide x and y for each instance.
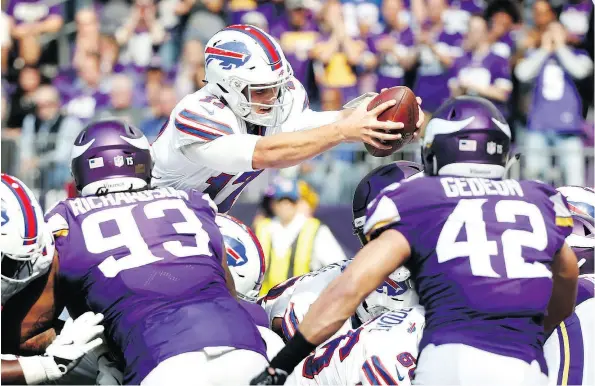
(405, 111)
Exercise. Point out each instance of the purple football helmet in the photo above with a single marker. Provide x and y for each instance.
(371, 185)
(467, 137)
(111, 156)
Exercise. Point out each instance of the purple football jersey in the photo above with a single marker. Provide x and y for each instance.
(150, 262)
(390, 72)
(432, 77)
(481, 256)
(484, 70)
(556, 104)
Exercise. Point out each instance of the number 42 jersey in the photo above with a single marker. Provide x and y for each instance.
(150, 262)
(481, 256)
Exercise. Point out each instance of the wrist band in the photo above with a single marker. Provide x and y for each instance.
(292, 354)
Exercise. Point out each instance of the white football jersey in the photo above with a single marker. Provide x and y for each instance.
(305, 293)
(276, 301)
(383, 351)
(570, 350)
(200, 118)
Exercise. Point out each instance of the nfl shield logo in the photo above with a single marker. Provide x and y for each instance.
(119, 161)
(491, 148)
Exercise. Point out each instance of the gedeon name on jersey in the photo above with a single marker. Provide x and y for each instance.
(467, 187)
(82, 205)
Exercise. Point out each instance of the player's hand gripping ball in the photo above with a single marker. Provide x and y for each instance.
(406, 110)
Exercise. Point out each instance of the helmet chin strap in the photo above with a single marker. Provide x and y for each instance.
(515, 158)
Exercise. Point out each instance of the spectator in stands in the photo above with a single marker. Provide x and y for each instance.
(336, 55)
(30, 20)
(87, 34)
(555, 116)
(121, 101)
(395, 47)
(437, 50)
(191, 69)
(22, 100)
(256, 19)
(206, 17)
(480, 71)
(89, 92)
(292, 243)
(457, 14)
(297, 34)
(46, 141)
(503, 18)
(141, 35)
(166, 102)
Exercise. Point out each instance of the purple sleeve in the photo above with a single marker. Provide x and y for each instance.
(500, 69)
(57, 221)
(257, 313)
(393, 209)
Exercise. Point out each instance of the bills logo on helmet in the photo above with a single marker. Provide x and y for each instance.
(230, 55)
(4, 214)
(392, 288)
(236, 252)
(581, 208)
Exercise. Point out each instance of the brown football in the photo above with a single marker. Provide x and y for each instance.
(405, 111)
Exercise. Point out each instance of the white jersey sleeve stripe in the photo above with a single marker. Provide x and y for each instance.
(383, 371)
(203, 121)
(369, 373)
(195, 131)
(290, 322)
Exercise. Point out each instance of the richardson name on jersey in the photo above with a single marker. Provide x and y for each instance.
(82, 205)
(473, 187)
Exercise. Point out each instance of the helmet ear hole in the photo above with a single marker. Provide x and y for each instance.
(452, 114)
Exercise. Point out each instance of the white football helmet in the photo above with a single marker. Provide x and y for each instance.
(395, 293)
(242, 58)
(245, 257)
(581, 202)
(27, 244)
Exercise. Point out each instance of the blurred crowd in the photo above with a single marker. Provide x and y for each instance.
(67, 62)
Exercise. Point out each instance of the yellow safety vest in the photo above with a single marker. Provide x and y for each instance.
(297, 259)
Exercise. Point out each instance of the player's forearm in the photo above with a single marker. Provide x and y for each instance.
(12, 373)
(565, 277)
(289, 149)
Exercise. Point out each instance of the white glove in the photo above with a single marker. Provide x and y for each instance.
(77, 338)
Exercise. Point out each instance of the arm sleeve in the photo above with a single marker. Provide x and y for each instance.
(528, 68)
(327, 249)
(310, 119)
(227, 154)
(579, 66)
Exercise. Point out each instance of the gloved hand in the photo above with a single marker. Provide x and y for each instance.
(270, 376)
(77, 338)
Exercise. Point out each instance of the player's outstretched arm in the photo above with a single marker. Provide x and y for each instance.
(289, 149)
(12, 373)
(339, 301)
(565, 275)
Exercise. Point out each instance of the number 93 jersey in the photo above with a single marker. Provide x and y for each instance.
(481, 256)
(151, 263)
(382, 351)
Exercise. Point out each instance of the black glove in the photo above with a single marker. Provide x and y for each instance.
(270, 376)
